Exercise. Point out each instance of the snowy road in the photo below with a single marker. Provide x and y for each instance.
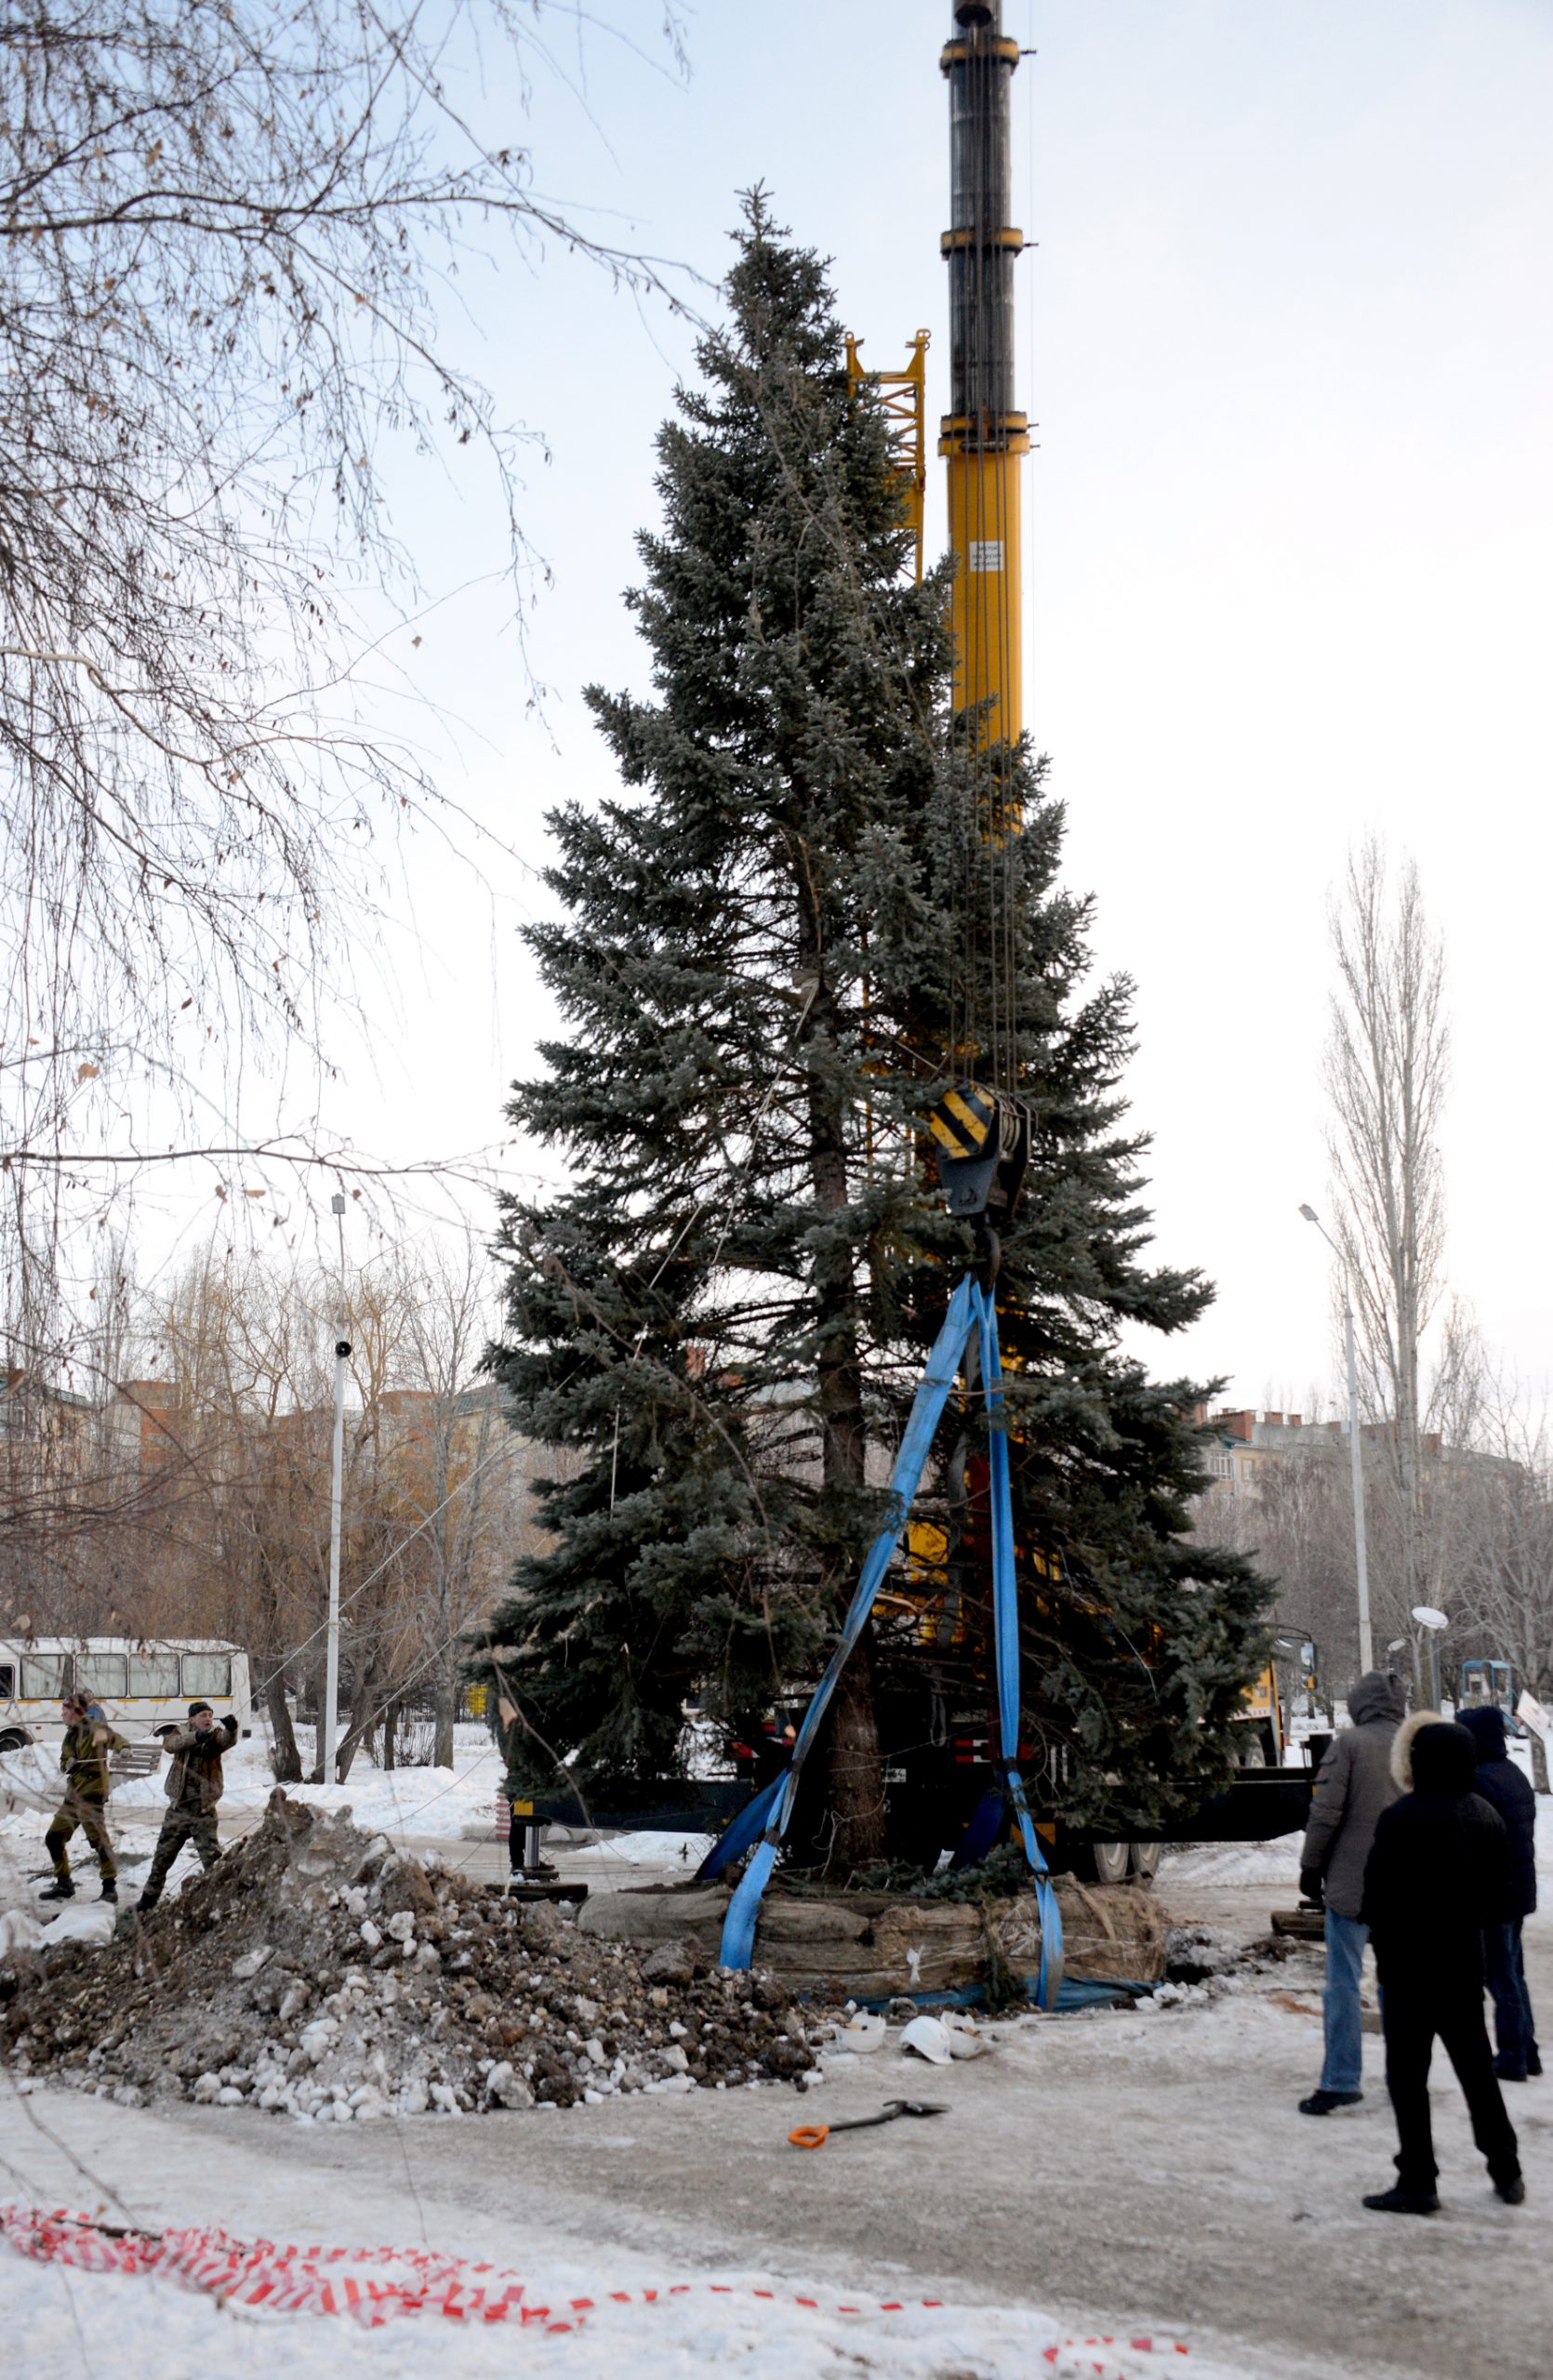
(1115, 2170)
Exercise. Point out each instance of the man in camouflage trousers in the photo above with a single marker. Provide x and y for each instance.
(88, 1739)
(194, 1784)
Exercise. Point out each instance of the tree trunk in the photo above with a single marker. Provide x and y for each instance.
(391, 1723)
(284, 1757)
(365, 1716)
(446, 1708)
(856, 1768)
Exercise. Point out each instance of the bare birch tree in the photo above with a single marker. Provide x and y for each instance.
(1386, 1071)
(228, 233)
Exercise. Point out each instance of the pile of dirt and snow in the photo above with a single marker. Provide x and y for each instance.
(317, 1972)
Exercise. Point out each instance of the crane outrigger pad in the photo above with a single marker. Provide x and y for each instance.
(760, 1827)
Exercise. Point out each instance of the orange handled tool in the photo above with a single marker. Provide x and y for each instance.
(814, 2135)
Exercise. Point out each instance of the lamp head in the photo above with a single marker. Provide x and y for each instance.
(1309, 1214)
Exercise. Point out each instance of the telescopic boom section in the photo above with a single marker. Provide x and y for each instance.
(983, 437)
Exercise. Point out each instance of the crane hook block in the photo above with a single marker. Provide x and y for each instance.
(983, 1140)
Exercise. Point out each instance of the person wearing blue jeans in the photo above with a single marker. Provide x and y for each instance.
(1354, 1785)
(1519, 2059)
(1502, 1786)
(1342, 2009)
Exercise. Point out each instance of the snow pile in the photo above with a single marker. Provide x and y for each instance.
(30, 1784)
(317, 1972)
(647, 1850)
(449, 1804)
(456, 1803)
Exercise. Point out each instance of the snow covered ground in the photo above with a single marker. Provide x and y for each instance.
(446, 1802)
(1119, 2172)
(1233, 1863)
(151, 2329)
(1225, 1864)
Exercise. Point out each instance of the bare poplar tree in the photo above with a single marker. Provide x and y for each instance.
(1386, 1075)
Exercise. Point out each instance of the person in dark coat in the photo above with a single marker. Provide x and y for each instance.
(1438, 1876)
(1501, 1783)
(1354, 1785)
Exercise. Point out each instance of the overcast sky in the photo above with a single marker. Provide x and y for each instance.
(1287, 338)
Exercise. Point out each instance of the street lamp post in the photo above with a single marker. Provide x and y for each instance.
(342, 1359)
(1366, 1656)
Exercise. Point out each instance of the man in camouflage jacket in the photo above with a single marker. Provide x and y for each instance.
(89, 1740)
(193, 1788)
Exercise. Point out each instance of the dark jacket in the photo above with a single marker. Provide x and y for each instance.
(1353, 1787)
(1439, 1868)
(1502, 1785)
(195, 1780)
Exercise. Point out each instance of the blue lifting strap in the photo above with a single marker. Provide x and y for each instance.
(1006, 1637)
(972, 1308)
(741, 1831)
(739, 1926)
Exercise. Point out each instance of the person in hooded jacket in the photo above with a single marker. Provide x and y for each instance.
(1354, 1785)
(1438, 1876)
(1502, 1785)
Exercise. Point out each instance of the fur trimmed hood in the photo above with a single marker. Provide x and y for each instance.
(1430, 1755)
(1401, 1745)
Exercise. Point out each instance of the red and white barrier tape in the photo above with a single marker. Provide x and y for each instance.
(377, 2286)
(1077, 2359)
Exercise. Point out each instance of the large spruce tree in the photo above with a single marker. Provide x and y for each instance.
(805, 911)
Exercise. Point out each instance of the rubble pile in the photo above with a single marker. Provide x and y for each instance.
(1203, 1961)
(317, 1972)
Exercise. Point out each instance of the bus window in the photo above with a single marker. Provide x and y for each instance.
(207, 1673)
(7, 1681)
(43, 1676)
(154, 1676)
(100, 1674)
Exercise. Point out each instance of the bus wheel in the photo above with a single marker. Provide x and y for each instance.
(14, 1740)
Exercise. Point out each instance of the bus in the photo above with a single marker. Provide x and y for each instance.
(144, 1686)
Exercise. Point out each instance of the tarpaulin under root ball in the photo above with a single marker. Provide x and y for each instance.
(378, 2285)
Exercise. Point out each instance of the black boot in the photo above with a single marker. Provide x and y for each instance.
(1321, 2103)
(1401, 2202)
(109, 1889)
(1512, 2190)
(60, 1889)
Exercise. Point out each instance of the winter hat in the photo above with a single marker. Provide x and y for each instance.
(1444, 1759)
(195, 1708)
(1486, 1728)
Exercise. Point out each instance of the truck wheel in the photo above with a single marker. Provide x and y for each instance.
(1111, 1862)
(1144, 1861)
